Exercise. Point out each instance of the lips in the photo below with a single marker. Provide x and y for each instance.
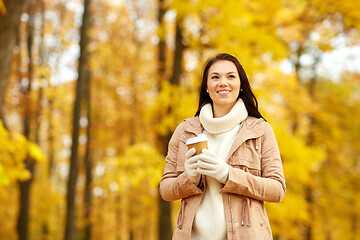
(223, 92)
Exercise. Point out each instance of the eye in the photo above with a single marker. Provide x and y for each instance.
(214, 77)
(232, 76)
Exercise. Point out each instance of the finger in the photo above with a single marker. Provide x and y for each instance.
(209, 153)
(193, 159)
(205, 165)
(189, 153)
(193, 166)
(206, 172)
(208, 159)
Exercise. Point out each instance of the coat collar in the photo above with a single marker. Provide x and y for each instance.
(249, 128)
(193, 125)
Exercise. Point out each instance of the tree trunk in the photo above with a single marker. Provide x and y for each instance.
(178, 55)
(51, 138)
(164, 220)
(40, 7)
(88, 164)
(162, 44)
(83, 74)
(309, 190)
(23, 217)
(9, 30)
(164, 225)
(165, 207)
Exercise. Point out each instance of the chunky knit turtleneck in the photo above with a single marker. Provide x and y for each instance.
(222, 124)
(210, 222)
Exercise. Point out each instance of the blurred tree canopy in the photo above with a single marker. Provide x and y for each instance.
(144, 63)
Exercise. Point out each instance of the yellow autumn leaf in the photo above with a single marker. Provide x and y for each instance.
(4, 180)
(35, 152)
(24, 175)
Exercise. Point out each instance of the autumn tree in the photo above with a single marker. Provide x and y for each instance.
(83, 76)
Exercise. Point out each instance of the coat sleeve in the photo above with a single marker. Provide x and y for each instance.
(270, 186)
(174, 184)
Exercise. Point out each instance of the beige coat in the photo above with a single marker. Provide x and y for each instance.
(255, 175)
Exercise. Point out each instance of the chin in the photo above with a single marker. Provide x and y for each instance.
(225, 103)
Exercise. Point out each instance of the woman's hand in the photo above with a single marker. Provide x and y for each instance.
(211, 165)
(191, 166)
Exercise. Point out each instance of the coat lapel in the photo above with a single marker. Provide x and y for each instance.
(249, 128)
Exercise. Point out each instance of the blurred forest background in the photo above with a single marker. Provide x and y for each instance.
(91, 90)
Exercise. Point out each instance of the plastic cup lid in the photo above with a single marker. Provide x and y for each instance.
(200, 138)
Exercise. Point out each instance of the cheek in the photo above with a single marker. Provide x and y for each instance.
(236, 90)
(210, 87)
(211, 90)
(237, 87)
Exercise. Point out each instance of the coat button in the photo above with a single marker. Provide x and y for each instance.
(261, 225)
(256, 147)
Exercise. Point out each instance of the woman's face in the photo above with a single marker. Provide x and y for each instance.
(223, 85)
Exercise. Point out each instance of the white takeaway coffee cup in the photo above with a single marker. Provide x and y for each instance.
(199, 143)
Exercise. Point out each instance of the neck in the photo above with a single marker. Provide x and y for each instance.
(220, 111)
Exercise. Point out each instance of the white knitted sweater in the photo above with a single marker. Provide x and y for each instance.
(210, 222)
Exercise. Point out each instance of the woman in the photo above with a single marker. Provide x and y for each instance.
(224, 188)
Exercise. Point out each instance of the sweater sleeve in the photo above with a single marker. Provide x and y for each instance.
(175, 184)
(270, 186)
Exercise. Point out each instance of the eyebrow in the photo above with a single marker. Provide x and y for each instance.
(225, 73)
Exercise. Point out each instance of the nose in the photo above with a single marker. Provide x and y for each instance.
(223, 82)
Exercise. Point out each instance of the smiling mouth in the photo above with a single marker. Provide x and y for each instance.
(223, 92)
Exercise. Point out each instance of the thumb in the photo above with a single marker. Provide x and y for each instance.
(189, 153)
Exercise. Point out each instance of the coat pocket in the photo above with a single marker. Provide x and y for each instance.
(253, 149)
(248, 157)
(247, 165)
(181, 214)
(262, 218)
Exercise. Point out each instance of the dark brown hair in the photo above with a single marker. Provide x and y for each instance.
(246, 94)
